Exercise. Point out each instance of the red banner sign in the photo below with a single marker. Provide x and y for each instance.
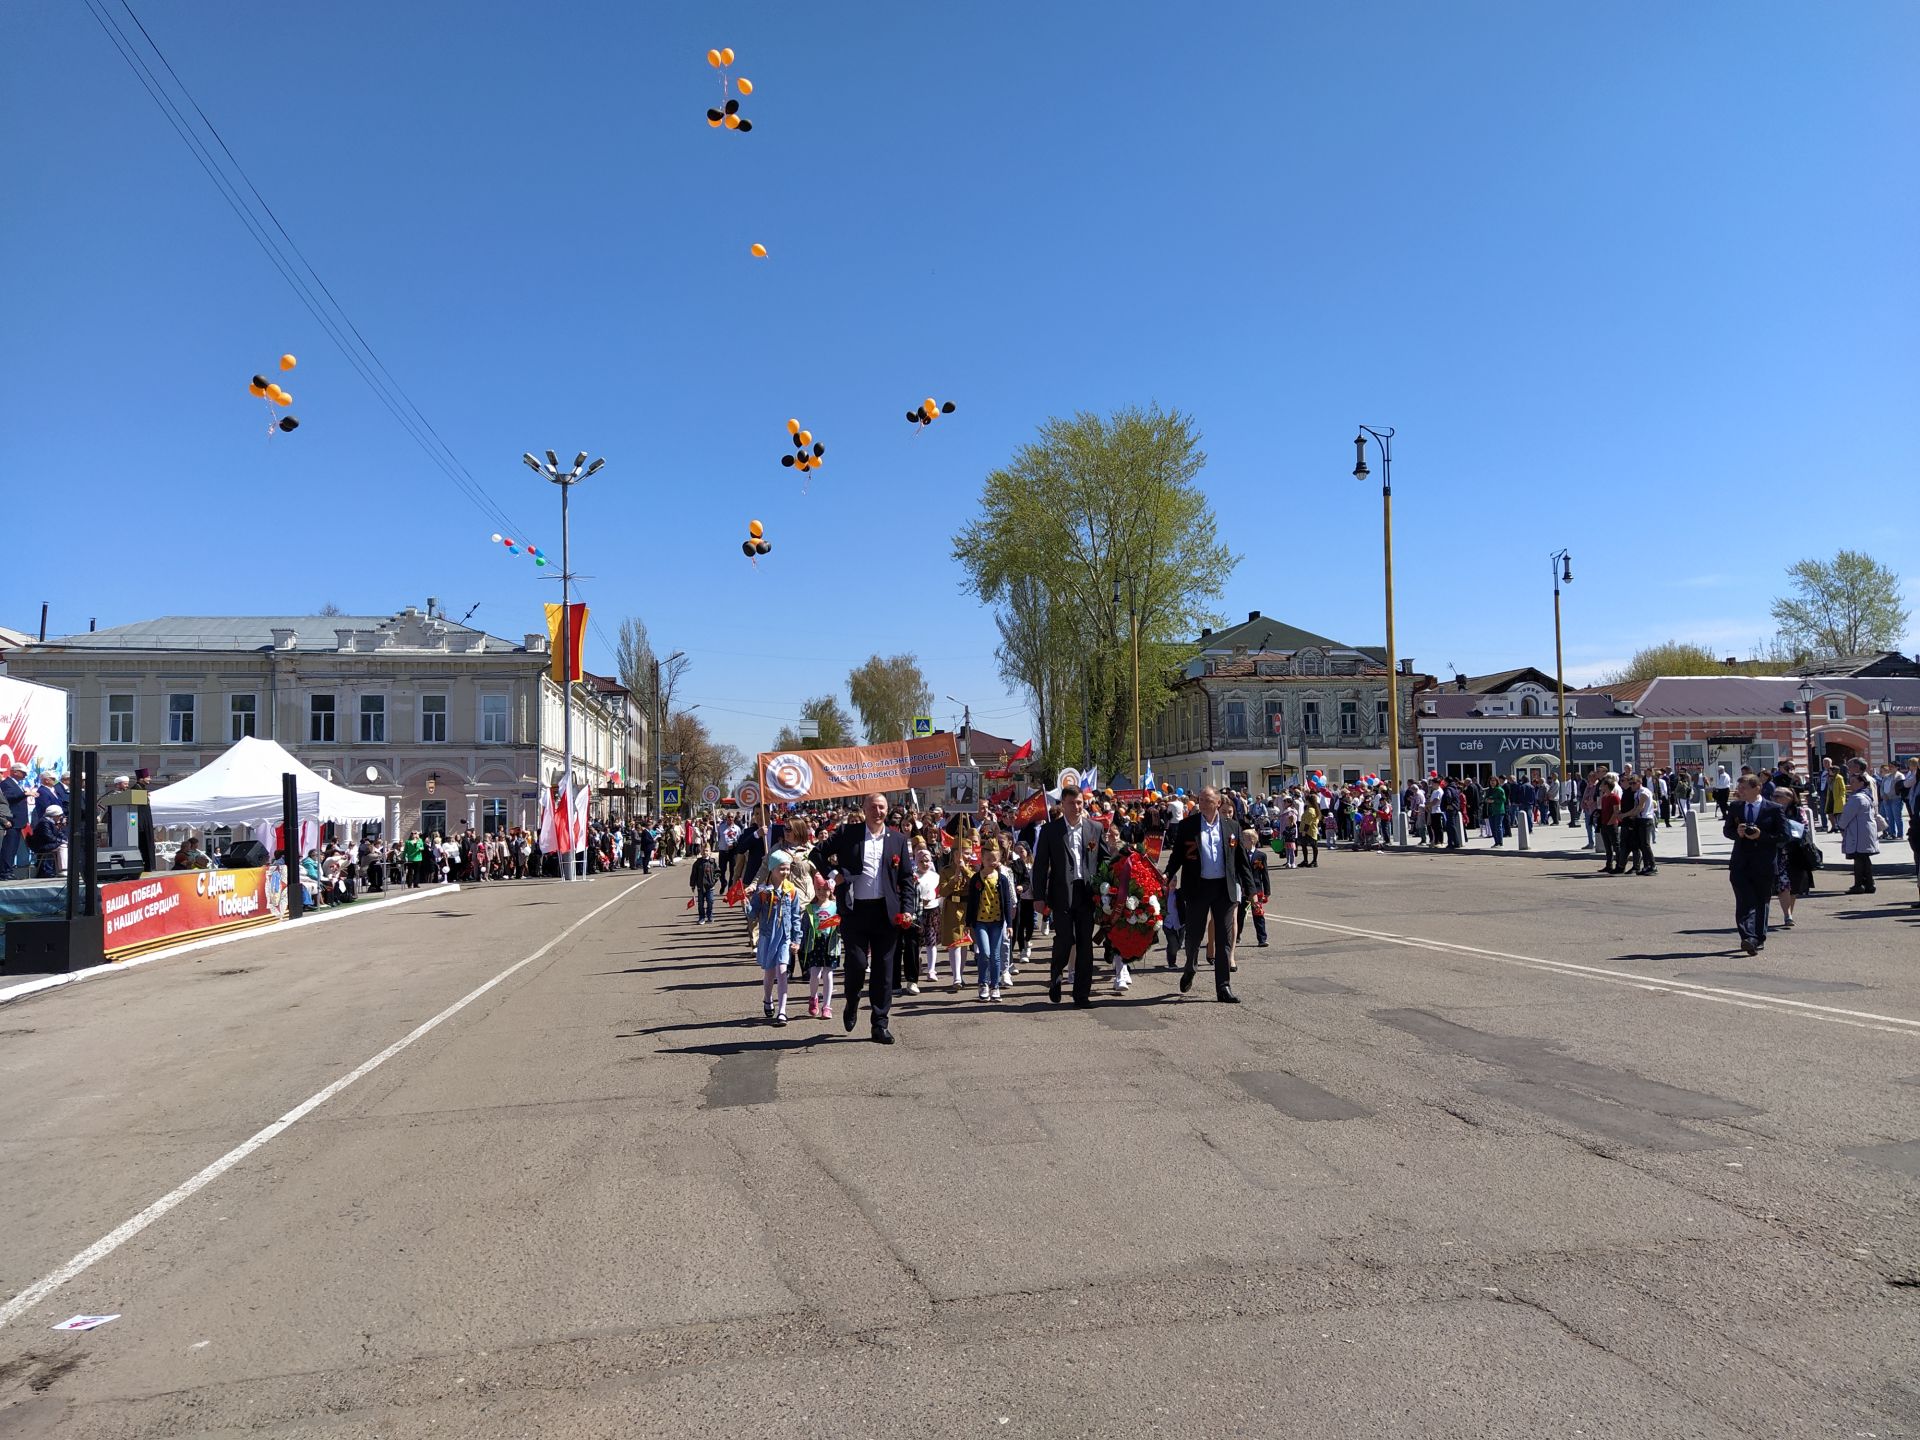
(165, 909)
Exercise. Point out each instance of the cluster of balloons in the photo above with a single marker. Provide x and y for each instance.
(803, 458)
(539, 556)
(270, 391)
(756, 543)
(728, 116)
(927, 410)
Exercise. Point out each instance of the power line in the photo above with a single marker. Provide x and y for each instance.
(337, 324)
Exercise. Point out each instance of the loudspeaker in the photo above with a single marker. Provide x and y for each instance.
(119, 865)
(43, 947)
(245, 855)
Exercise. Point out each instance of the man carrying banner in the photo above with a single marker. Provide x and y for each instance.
(875, 875)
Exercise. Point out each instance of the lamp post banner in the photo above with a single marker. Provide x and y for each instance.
(857, 769)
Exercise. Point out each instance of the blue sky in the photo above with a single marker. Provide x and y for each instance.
(1635, 279)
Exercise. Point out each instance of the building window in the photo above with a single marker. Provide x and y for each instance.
(1311, 662)
(1349, 717)
(119, 719)
(320, 719)
(1276, 717)
(243, 716)
(1529, 705)
(1690, 753)
(1237, 779)
(1836, 709)
(1309, 717)
(493, 719)
(433, 817)
(180, 716)
(1236, 719)
(433, 719)
(1762, 755)
(373, 719)
(1380, 716)
(493, 815)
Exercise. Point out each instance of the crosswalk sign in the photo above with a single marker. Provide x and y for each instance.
(669, 797)
(922, 726)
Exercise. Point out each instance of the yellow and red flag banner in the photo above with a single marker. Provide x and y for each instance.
(566, 667)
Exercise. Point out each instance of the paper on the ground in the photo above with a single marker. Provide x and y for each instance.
(84, 1322)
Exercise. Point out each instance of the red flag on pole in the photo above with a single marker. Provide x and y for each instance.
(1033, 808)
(1001, 797)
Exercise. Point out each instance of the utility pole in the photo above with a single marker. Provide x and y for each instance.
(566, 480)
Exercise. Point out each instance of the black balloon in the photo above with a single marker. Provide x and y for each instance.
(763, 546)
(733, 107)
(798, 443)
(746, 547)
(715, 115)
(819, 450)
(259, 382)
(744, 126)
(947, 409)
(787, 460)
(287, 422)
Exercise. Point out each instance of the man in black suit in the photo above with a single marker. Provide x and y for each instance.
(1757, 828)
(1066, 864)
(1214, 874)
(875, 876)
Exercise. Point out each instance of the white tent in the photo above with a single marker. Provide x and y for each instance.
(243, 787)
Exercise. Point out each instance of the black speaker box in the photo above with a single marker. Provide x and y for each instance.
(245, 855)
(42, 947)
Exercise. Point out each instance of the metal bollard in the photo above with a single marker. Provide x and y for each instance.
(1692, 822)
(1521, 827)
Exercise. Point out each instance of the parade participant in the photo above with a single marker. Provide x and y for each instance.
(951, 937)
(1310, 833)
(820, 944)
(775, 907)
(1636, 826)
(1214, 874)
(875, 876)
(1856, 825)
(17, 820)
(1020, 950)
(1064, 862)
(1606, 818)
(1756, 826)
(1722, 789)
(1794, 868)
(1255, 898)
(705, 875)
(989, 901)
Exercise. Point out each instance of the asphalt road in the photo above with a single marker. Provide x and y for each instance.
(1496, 1147)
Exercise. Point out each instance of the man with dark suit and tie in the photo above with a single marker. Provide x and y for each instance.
(1757, 828)
(875, 877)
(17, 801)
(1066, 866)
(1214, 874)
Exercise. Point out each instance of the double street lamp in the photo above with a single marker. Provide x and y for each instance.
(1384, 438)
(566, 480)
(1562, 565)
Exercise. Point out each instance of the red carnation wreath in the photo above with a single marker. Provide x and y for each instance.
(1132, 901)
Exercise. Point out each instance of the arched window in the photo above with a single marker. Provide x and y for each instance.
(1529, 705)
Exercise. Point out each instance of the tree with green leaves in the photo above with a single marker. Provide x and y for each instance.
(1846, 606)
(836, 726)
(888, 692)
(1098, 515)
(1670, 657)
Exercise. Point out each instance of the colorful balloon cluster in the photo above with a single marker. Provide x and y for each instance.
(756, 543)
(728, 116)
(539, 556)
(271, 392)
(924, 415)
(803, 459)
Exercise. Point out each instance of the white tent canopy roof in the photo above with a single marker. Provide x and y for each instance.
(243, 787)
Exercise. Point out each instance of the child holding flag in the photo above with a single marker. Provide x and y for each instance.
(774, 906)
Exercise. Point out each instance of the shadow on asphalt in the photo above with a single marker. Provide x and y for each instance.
(1685, 955)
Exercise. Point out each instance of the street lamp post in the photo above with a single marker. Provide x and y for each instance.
(1806, 704)
(1133, 639)
(1384, 438)
(1562, 565)
(566, 480)
(1886, 720)
(660, 731)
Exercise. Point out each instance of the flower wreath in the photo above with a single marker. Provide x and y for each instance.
(1131, 903)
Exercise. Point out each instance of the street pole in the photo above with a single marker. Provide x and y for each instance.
(566, 480)
(1561, 563)
(1385, 440)
(1133, 624)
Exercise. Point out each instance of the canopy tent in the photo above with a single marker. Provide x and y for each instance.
(243, 787)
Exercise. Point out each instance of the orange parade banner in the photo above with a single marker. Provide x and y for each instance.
(858, 769)
(164, 909)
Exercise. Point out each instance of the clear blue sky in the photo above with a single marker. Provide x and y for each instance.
(1636, 279)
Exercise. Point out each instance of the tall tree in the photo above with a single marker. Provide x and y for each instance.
(634, 657)
(836, 726)
(1097, 515)
(1841, 607)
(888, 692)
(1671, 657)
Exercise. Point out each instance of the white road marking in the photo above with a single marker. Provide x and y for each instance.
(1806, 1009)
(114, 1239)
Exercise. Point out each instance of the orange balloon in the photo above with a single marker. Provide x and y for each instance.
(713, 58)
(761, 251)
(793, 427)
(283, 398)
(274, 390)
(746, 86)
(732, 122)
(755, 529)
(714, 123)
(929, 406)
(259, 390)
(805, 437)
(287, 362)
(726, 57)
